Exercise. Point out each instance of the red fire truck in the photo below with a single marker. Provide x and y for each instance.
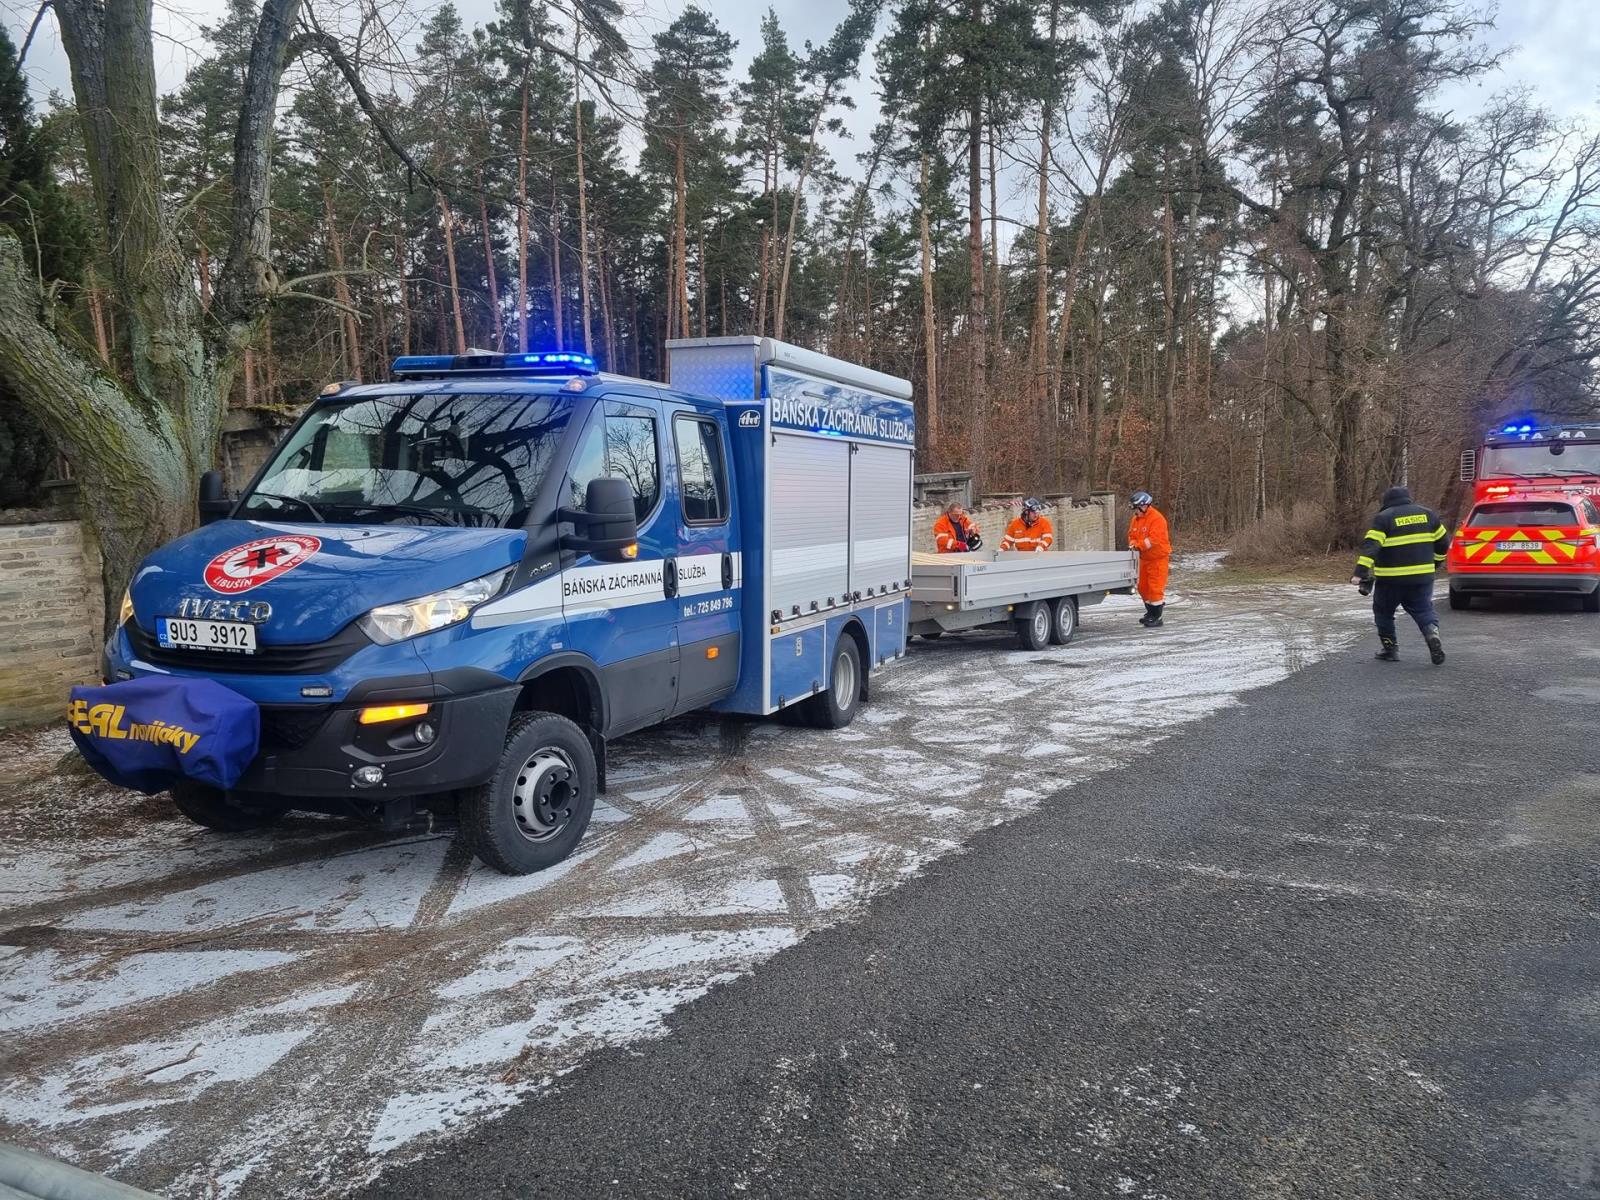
(1533, 526)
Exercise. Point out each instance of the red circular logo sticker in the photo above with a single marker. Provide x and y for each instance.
(254, 563)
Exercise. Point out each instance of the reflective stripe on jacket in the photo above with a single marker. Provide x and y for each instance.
(1406, 540)
(1041, 535)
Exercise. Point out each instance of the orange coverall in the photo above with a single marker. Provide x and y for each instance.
(1041, 535)
(1147, 537)
(948, 537)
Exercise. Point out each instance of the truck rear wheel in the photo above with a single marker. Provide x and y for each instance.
(533, 811)
(835, 706)
(1591, 601)
(1063, 619)
(1034, 624)
(224, 811)
(1459, 600)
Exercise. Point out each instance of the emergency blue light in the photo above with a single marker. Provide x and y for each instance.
(549, 362)
(1526, 429)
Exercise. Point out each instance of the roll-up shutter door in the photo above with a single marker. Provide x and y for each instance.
(810, 516)
(880, 518)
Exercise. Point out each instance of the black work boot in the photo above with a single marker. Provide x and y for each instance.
(1149, 614)
(1435, 646)
(1390, 651)
(1155, 616)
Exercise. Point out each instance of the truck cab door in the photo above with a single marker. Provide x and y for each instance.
(623, 615)
(709, 567)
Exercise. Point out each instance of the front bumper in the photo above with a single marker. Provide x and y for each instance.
(1561, 583)
(311, 750)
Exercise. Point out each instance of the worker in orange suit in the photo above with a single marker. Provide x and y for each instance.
(1031, 530)
(955, 532)
(1147, 537)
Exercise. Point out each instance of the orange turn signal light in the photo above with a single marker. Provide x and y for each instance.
(391, 712)
(713, 651)
(631, 551)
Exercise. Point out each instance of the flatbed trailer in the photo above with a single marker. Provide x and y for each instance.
(1036, 594)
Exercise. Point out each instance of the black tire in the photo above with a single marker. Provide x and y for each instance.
(934, 636)
(837, 704)
(1460, 600)
(1591, 601)
(1063, 619)
(226, 812)
(1034, 624)
(534, 809)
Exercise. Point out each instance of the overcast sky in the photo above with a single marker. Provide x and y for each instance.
(1554, 44)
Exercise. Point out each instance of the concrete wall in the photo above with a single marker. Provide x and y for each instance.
(51, 614)
(1080, 524)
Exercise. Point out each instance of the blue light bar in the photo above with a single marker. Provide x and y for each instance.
(549, 362)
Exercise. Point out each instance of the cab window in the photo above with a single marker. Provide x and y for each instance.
(702, 477)
(623, 446)
(1523, 512)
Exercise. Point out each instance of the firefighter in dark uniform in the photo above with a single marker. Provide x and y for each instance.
(1399, 556)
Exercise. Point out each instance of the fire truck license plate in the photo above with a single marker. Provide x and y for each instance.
(175, 633)
(1517, 545)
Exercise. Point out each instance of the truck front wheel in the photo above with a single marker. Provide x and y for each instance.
(223, 811)
(532, 812)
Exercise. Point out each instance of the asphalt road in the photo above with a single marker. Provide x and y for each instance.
(1338, 941)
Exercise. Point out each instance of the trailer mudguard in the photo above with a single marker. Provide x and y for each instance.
(146, 734)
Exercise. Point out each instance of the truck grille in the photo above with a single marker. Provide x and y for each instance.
(314, 658)
(287, 727)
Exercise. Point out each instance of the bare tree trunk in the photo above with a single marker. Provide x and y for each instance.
(97, 317)
(680, 240)
(341, 287)
(977, 308)
(522, 220)
(794, 215)
(1164, 450)
(448, 219)
(996, 300)
(605, 302)
(557, 283)
(930, 330)
(402, 262)
(700, 240)
(583, 190)
(1039, 351)
(495, 317)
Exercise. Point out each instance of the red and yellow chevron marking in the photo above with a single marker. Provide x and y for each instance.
(1482, 550)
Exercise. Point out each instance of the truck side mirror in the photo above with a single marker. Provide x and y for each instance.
(607, 526)
(214, 505)
(1469, 465)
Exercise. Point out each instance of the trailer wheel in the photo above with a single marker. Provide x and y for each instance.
(223, 811)
(1459, 600)
(1063, 619)
(533, 810)
(835, 706)
(1033, 625)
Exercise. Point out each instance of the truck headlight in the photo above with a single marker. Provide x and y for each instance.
(390, 623)
(126, 613)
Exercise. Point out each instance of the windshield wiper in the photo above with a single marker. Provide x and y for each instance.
(301, 501)
(411, 509)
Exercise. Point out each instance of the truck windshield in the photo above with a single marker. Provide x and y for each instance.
(1540, 458)
(439, 458)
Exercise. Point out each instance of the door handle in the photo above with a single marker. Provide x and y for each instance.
(727, 571)
(669, 579)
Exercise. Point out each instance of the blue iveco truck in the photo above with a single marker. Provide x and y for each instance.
(465, 582)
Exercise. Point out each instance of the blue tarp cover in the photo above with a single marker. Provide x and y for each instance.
(148, 733)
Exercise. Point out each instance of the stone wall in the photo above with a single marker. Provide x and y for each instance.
(51, 615)
(1079, 524)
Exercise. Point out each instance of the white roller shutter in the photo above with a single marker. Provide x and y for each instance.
(880, 518)
(810, 496)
